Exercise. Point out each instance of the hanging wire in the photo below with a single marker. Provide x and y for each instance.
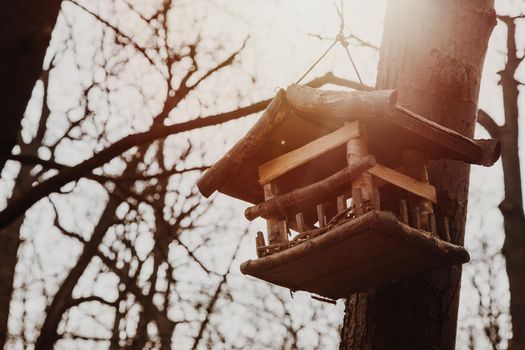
(345, 45)
(317, 62)
(340, 38)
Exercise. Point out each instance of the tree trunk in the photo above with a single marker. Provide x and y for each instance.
(25, 31)
(512, 205)
(432, 53)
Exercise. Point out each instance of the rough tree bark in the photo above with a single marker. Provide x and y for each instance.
(433, 53)
(512, 205)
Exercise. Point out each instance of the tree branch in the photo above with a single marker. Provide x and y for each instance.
(117, 31)
(488, 123)
(19, 205)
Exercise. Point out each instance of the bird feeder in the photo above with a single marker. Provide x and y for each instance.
(341, 179)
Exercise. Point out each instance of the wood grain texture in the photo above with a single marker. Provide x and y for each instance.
(405, 182)
(344, 105)
(276, 167)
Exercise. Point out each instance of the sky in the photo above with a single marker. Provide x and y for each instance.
(281, 45)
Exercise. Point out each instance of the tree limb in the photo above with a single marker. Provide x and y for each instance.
(488, 123)
(21, 204)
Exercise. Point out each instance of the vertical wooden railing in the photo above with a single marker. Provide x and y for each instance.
(364, 195)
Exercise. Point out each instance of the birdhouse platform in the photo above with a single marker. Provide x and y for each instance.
(341, 179)
(355, 255)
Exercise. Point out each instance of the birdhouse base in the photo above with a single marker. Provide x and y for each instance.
(373, 249)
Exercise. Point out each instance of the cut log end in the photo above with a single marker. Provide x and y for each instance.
(490, 151)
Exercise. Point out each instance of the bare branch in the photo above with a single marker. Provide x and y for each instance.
(228, 61)
(488, 123)
(117, 31)
(21, 204)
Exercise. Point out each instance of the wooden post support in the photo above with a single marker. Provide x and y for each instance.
(432, 223)
(275, 231)
(446, 229)
(416, 218)
(299, 219)
(321, 215)
(259, 243)
(341, 204)
(416, 167)
(357, 201)
(362, 186)
(403, 211)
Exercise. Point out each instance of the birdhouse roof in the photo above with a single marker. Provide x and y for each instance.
(299, 115)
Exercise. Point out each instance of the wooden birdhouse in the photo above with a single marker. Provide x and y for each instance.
(341, 179)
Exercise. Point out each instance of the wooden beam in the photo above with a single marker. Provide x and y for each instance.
(405, 182)
(285, 200)
(291, 160)
(321, 215)
(340, 104)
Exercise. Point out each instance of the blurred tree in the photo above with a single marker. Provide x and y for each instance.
(166, 277)
(512, 205)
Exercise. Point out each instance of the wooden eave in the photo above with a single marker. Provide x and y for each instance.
(301, 114)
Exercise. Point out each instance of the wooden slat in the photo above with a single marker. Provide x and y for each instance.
(291, 160)
(405, 182)
(321, 215)
(341, 104)
(299, 219)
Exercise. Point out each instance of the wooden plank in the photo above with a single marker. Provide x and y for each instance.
(285, 200)
(299, 219)
(403, 211)
(405, 182)
(415, 166)
(321, 215)
(291, 160)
